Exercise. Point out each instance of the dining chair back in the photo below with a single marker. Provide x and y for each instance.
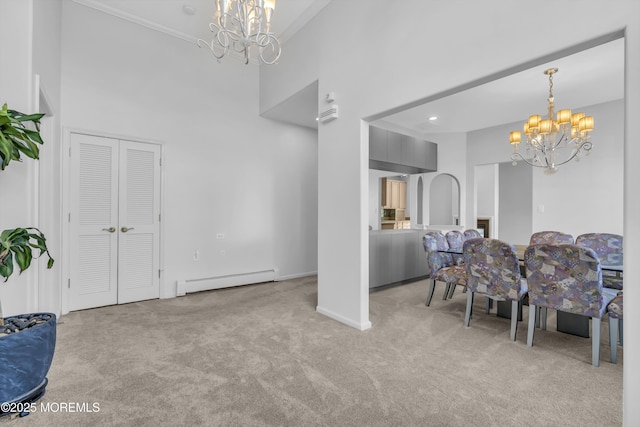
(493, 269)
(440, 266)
(608, 247)
(566, 278)
(553, 237)
(456, 240)
(471, 233)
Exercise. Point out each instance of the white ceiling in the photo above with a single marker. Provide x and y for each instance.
(585, 78)
(189, 19)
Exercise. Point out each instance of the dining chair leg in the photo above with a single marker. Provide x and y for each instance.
(489, 305)
(532, 324)
(432, 287)
(613, 338)
(451, 291)
(595, 342)
(514, 319)
(543, 317)
(467, 315)
(447, 288)
(620, 332)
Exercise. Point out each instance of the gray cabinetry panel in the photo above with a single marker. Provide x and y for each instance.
(378, 144)
(395, 256)
(394, 147)
(391, 151)
(408, 144)
(420, 153)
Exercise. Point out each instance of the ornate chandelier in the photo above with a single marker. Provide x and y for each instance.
(551, 143)
(243, 24)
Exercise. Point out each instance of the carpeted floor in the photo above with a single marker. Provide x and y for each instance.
(260, 355)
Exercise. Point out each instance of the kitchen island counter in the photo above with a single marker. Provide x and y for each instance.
(395, 257)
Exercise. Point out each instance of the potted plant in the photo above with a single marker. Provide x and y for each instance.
(16, 138)
(27, 341)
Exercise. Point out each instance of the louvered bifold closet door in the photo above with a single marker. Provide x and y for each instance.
(139, 230)
(93, 277)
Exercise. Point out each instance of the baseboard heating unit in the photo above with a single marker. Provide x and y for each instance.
(207, 284)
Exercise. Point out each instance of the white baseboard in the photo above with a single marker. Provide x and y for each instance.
(298, 275)
(210, 283)
(361, 326)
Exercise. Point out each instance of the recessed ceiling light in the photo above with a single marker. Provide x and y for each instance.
(432, 118)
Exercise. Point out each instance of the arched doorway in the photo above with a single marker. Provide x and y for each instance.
(444, 200)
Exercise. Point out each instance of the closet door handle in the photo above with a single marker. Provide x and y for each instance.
(125, 229)
(110, 229)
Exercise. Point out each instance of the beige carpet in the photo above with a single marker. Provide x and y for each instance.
(261, 356)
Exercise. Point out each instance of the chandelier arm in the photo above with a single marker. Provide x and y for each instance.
(517, 157)
(271, 41)
(563, 137)
(585, 145)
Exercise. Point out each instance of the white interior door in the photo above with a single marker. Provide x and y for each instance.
(114, 221)
(139, 228)
(93, 221)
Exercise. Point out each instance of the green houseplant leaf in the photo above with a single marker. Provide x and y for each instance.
(16, 138)
(16, 245)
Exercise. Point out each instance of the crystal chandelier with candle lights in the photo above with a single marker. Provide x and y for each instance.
(553, 141)
(245, 27)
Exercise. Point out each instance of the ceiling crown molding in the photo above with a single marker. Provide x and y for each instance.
(303, 19)
(285, 35)
(135, 19)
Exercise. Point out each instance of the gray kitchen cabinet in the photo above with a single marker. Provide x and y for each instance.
(395, 152)
(407, 148)
(394, 147)
(378, 144)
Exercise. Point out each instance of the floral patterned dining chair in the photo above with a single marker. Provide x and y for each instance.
(608, 247)
(566, 278)
(456, 239)
(493, 269)
(614, 309)
(553, 237)
(471, 233)
(440, 267)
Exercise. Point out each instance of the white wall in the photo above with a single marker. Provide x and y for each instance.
(441, 200)
(515, 211)
(17, 181)
(592, 188)
(226, 170)
(490, 36)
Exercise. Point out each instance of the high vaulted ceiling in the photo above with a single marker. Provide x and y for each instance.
(586, 77)
(189, 19)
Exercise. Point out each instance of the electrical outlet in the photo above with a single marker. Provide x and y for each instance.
(196, 255)
(223, 252)
(220, 236)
